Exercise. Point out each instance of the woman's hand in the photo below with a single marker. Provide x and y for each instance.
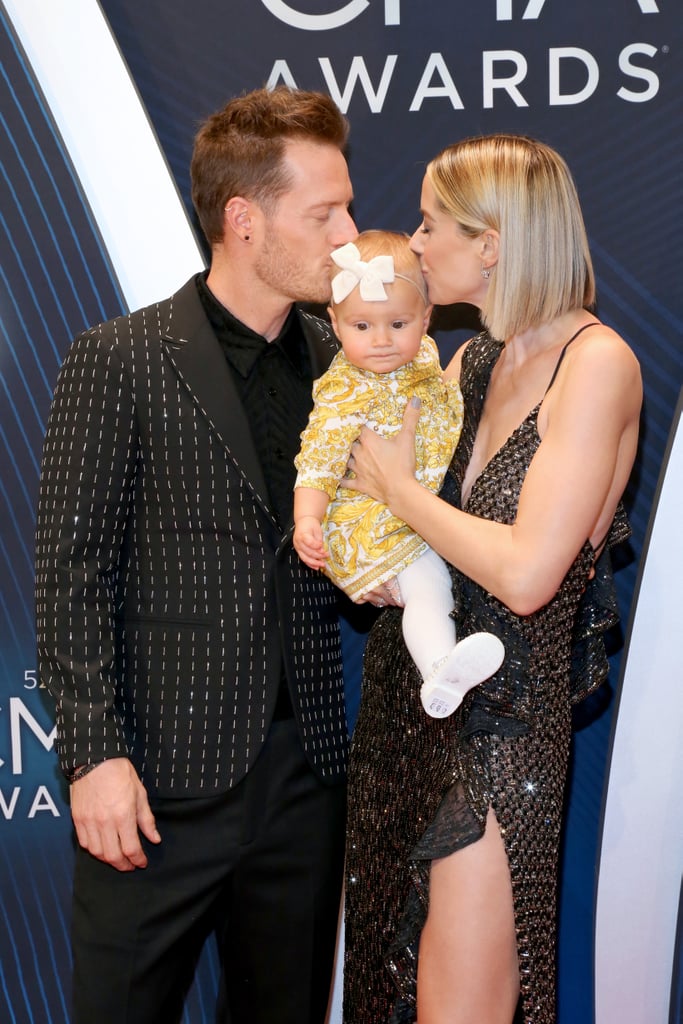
(388, 594)
(379, 465)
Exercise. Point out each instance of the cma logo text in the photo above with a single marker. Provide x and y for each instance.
(392, 13)
(21, 721)
(24, 728)
(503, 74)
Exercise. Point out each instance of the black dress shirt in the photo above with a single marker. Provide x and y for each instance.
(274, 380)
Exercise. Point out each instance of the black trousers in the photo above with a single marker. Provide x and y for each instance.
(261, 865)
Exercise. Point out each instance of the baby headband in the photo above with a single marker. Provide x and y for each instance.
(370, 276)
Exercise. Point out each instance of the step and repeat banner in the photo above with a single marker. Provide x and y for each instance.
(99, 104)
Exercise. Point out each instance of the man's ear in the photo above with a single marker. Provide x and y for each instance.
(237, 216)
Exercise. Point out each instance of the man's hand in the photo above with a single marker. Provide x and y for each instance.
(109, 805)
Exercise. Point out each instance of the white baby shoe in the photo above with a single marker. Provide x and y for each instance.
(472, 660)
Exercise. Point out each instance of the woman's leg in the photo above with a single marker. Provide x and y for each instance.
(467, 968)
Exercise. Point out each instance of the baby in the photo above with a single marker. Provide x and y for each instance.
(380, 314)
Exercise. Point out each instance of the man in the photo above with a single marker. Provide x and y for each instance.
(194, 660)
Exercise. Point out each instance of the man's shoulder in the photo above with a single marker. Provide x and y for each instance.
(317, 328)
(152, 320)
(320, 338)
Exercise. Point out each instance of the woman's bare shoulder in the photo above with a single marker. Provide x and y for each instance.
(601, 361)
(452, 371)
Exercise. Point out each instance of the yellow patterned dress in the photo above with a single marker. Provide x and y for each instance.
(367, 545)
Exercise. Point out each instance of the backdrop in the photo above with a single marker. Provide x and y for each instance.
(98, 108)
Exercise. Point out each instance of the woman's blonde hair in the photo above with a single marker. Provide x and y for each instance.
(524, 190)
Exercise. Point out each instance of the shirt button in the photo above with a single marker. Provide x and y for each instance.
(272, 392)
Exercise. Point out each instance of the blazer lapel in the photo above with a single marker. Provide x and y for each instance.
(196, 356)
(321, 341)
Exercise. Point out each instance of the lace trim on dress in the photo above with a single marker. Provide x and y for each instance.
(598, 612)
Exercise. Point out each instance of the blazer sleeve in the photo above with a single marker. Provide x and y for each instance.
(88, 468)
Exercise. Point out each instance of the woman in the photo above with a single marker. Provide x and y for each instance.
(454, 824)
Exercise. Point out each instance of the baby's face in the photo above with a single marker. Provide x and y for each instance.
(382, 336)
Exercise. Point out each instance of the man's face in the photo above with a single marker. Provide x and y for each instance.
(310, 220)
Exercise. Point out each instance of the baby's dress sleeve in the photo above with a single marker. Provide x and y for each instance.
(333, 426)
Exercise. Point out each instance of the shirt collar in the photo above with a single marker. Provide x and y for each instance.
(243, 346)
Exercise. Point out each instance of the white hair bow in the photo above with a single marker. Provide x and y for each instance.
(370, 276)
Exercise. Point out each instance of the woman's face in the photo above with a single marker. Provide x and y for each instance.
(451, 261)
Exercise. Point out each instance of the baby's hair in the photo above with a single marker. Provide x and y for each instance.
(376, 242)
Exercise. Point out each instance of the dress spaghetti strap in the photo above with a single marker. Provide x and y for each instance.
(597, 551)
(593, 323)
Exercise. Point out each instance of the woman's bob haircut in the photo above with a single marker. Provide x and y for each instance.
(524, 190)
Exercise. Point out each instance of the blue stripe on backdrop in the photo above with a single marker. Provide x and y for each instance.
(56, 279)
(13, 577)
(48, 182)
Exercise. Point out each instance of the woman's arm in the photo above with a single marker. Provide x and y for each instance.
(590, 424)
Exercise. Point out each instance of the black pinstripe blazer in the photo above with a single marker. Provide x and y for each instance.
(165, 591)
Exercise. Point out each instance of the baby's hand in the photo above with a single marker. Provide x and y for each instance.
(308, 542)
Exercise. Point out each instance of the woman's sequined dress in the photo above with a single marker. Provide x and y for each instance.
(420, 787)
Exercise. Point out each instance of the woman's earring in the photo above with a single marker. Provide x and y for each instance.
(485, 272)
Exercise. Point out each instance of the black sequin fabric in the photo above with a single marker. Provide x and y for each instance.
(420, 788)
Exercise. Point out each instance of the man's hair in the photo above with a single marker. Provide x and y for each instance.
(240, 149)
(524, 190)
(391, 243)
